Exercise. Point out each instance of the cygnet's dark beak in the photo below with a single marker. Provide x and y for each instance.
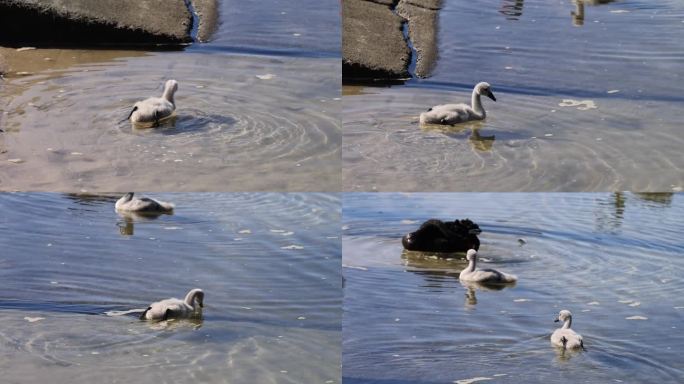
(490, 95)
(555, 321)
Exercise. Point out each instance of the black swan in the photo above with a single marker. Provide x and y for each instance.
(443, 236)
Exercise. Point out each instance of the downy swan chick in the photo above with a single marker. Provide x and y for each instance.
(564, 336)
(443, 236)
(175, 308)
(459, 113)
(154, 109)
(142, 205)
(484, 276)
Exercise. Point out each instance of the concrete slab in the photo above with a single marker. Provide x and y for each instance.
(101, 22)
(373, 44)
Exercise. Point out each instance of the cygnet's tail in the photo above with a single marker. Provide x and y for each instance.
(167, 207)
(508, 278)
(422, 118)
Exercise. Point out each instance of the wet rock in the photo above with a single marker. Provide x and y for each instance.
(77, 22)
(422, 16)
(373, 44)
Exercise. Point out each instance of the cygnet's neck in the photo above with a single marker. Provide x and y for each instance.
(191, 296)
(471, 264)
(168, 93)
(476, 103)
(567, 323)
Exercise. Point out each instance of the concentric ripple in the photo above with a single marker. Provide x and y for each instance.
(233, 130)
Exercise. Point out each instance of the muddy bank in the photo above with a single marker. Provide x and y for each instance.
(375, 44)
(83, 22)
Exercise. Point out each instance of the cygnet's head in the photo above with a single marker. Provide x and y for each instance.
(123, 200)
(471, 254)
(195, 295)
(563, 315)
(171, 86)
(485, 89)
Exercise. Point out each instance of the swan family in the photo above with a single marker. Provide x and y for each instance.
(174, 308)
(449, 114)
(444, 238)
(155, 109)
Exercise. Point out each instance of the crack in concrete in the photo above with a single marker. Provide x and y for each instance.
(194, 24)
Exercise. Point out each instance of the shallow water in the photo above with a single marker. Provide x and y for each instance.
(612, 259)
(256, 111)
(626, 59)
(269, 264)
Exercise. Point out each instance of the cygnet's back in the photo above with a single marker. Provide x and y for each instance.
(484, 275)
(129, 203)
(154, 109)
(175, 308)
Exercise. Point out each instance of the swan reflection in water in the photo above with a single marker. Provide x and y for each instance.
(578, 13)
(477, 141)
(472, 286)
(128, 219)
(512, 9)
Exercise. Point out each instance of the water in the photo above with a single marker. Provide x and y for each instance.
(605, 257)
(258, 109)
(626, 59)
(269, 264)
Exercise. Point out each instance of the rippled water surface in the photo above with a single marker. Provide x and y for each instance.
(614, 260)
(625, 59)
(257, 109)
(71, 269)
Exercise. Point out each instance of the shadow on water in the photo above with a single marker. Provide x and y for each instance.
(190, 121)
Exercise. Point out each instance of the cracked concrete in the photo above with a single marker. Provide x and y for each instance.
(373, 43)
(422, 16)
(102, 22)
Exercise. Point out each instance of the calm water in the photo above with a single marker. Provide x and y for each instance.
(614, 260)
(258, 109)
(626, 60)
(269, 264)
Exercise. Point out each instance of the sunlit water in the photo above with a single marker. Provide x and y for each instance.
(269, 264)
(625, 60)
(256, 110)
(614, 260)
